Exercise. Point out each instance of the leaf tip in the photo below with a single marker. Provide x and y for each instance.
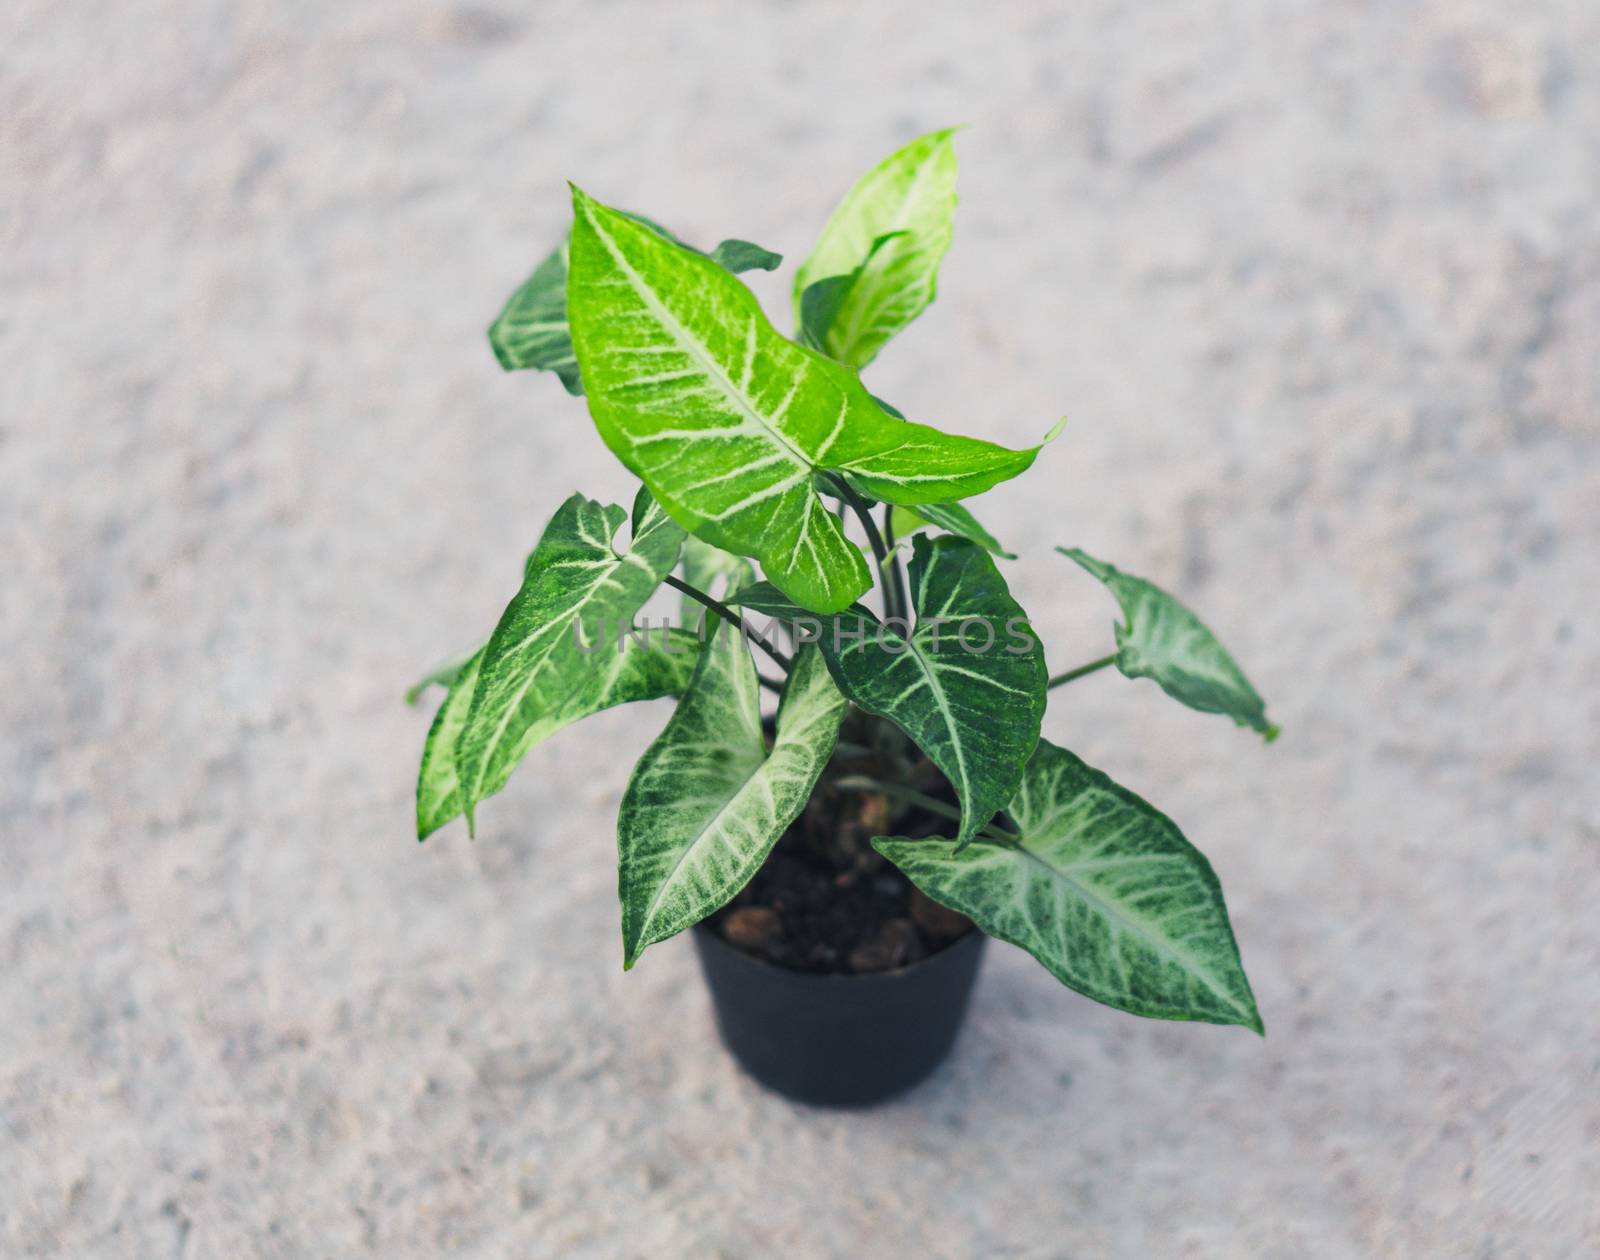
(1270, 732)
(1055, 431)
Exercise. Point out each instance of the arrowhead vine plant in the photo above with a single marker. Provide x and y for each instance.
(778, 494)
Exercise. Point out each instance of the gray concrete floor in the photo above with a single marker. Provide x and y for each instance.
(1318, 285)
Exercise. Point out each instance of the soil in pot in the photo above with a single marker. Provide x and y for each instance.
(825, 902)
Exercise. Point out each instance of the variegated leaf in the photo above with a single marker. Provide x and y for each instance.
(728, 422)
(953, 518)
(967, 684)
(707, 801)
(577, 585)
(1161, 639)
(531, 330)
(1099, 887)
(643, 664)
(909, 198)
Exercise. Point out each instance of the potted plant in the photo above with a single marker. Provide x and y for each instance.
(842, 859)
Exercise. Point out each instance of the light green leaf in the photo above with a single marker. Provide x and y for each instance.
(531, 330)
(727, 422)
(644, 664)
(577, 585)
(1163, 640)
(972, 704)
(1099, 887)
(953, 518)
(712, 570)
(707, 802)
(911, 197)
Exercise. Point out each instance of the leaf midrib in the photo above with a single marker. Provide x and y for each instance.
(1136, 926)
(693, 347)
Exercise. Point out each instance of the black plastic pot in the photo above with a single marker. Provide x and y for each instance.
(838, 1041)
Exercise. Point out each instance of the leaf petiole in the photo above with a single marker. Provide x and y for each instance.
(731, 617)
(1058, 679)
(910, 795)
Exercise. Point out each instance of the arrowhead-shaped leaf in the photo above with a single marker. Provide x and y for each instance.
(727, 422)
(909, 197)
(647, 666)
(1100, 888)
(967, 684)
(707, 802)
(577, 588)
(953, 518)
(1163, 640)
(531, 330)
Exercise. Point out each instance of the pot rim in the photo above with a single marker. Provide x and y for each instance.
(971, 938)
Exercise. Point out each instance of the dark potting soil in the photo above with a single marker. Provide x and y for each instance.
(826, 901)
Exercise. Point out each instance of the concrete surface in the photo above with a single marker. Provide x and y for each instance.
(1319, 287)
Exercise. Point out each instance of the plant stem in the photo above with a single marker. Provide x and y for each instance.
(769, 683)
(1090, 668)
(887, 572)
(728, 615)
(910, 795)
(896, 573)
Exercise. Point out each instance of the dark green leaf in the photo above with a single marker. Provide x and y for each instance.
(975, 713)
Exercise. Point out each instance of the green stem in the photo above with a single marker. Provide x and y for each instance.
(1090, 668)
(731, 617)
(847, 494)
(896, 574)
(910, 795)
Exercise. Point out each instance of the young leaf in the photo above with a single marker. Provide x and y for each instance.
(707, 802)
(953, 518)
(712, 570)
(1100, 888)
(1163, 640)
(642, 665)
(974, 706)
(534, 665)
(824, 300)
(531, 330)
(909, 197)
(727, 421)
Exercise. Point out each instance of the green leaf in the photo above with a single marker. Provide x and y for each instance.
(1163, 640)
(442, 674)
(911, 197)
(648, 665)
(531, 330)
(707, 802)
(727, 422)
(1099, 887)
(534, 665)
(976, 714)
(739, 256)
(438, 789)
(953, 518)
(825, 299)
(712, 570)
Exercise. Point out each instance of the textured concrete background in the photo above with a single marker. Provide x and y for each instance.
(1317, 283)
